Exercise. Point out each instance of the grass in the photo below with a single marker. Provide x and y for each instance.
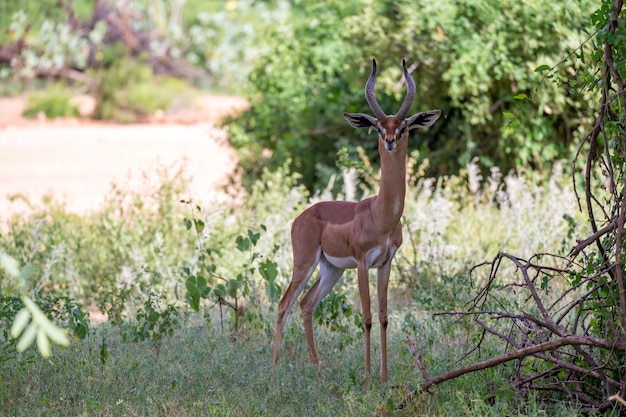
(199, 372)
(202, 372)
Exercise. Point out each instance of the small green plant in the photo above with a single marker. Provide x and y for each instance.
(239, 294)
(53, 102)
(154, 320)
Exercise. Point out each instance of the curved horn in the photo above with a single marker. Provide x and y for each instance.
(410, 93)
(369, 94)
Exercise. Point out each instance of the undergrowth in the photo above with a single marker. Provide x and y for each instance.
(189, 289)
(202, 372)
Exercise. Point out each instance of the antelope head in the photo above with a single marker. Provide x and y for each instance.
(391, 129)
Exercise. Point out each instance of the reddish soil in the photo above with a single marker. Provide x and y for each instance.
(76, 160)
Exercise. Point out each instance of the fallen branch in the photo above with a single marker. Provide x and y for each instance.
(619, 345)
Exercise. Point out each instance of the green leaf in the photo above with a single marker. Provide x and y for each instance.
(273, 291)
(254, 237)
(219, 290)
(193, 300)
(19, 324)
(40, 328)
(508, 115)
(243, 243)
(233, 285)
(520, 97)
(543, 67)
(197, 284)
(9, 264)
(199, 225)
(43, 343)
(80, 331)
(196, 290)
(27, 338)
(104, 353)
(268, 270)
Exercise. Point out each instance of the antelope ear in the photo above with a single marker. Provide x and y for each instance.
(359, 120)
(423, 119)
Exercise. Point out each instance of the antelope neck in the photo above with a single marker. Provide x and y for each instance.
(389, 203)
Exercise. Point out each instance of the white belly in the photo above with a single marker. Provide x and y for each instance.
(343, 263)
(373, 259)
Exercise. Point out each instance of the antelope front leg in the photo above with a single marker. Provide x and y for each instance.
(364, 292)
(382, 284)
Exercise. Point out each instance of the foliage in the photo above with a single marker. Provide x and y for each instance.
(37, 12)
(470, 58)
(125, 91)
(55, 48)
(237, 375)
(29, 322)
(155, 320)
(484, 72)
(133, 57)
(110, 251)
(210, 43)
(476, 60)
(301, 86)
(239, 294)
(135, 256)
(229, 41)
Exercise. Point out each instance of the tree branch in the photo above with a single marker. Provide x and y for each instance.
(619, 345)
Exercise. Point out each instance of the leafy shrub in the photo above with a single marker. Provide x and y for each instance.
(92, 256)
(53, 102)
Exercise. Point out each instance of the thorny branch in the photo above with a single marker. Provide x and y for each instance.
(537, 332)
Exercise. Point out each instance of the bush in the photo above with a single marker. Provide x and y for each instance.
(127, 91)
(55, 101)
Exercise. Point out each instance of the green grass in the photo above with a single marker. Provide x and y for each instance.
(201, 372)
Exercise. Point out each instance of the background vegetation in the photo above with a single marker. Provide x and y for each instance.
(470, 58)
(189, 289)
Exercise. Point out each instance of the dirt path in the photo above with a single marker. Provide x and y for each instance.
(76, 161)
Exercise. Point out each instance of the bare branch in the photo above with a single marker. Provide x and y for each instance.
(619, 345)
(582, 244)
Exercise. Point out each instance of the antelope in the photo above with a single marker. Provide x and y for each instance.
(362, 235)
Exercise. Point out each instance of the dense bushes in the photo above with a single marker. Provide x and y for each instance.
(469, 58)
